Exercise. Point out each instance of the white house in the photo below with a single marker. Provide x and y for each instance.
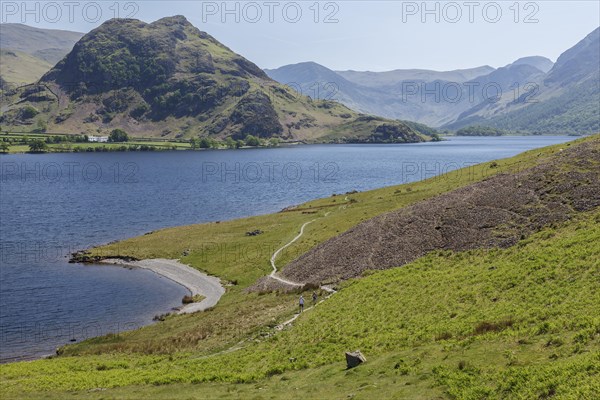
(99, 139)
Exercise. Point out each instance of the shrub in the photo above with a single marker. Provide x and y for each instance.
(27, 112)
(443, 336)
(187, 299)
(205, 143)
(485, 326)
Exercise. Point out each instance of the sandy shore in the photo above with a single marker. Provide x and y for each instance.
(195, 281)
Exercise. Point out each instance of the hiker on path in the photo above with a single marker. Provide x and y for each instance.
(301, 303)
(314, 297)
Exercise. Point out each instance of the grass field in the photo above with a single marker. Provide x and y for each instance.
(18, 143)
(514, 323)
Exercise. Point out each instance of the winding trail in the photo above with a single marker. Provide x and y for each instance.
(331, 291)
(274, 256)
(273, 275)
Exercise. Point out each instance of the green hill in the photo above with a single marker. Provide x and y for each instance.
(499, 323)
(168, 79)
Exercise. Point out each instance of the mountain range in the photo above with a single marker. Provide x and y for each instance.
(168, 79)
(530, 95)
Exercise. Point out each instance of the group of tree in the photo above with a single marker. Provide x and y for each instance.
(478, 130)
(57, 139)
(230, 143)
(203, 143)
(99, 149)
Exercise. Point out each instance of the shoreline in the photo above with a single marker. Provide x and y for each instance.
(198, 283)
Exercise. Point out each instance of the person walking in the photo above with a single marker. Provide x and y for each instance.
(301, 303)
(314, 297)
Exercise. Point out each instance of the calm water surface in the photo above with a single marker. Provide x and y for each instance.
(53, 204)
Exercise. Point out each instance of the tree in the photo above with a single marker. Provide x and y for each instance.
(118, 135)
(230, 143)
(239, 144)
(27, 112)
(194, 143)
(252, 141)
(4, 147)
(205, 143)
(38, 146)
(41, 126)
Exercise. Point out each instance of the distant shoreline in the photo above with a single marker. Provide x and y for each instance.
(113, 149)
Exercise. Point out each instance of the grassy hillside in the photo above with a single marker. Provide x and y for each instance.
(512, 323)
(19, 68)
(515, 323)
(494, 213)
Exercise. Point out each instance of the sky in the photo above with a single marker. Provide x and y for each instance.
(350, 35)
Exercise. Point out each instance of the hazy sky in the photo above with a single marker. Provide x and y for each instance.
(359, 35)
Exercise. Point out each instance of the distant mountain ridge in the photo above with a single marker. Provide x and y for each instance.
(535, 95)
(565, 100)
(27, 52)
(529, 95)
(50, 45)
(406, 94)
(382, 79)
(541, 63)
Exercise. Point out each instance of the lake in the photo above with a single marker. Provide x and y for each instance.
(54, 204)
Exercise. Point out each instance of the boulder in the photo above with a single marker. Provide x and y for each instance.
(355, 358)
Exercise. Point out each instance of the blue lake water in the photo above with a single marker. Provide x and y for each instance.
(54, 204)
